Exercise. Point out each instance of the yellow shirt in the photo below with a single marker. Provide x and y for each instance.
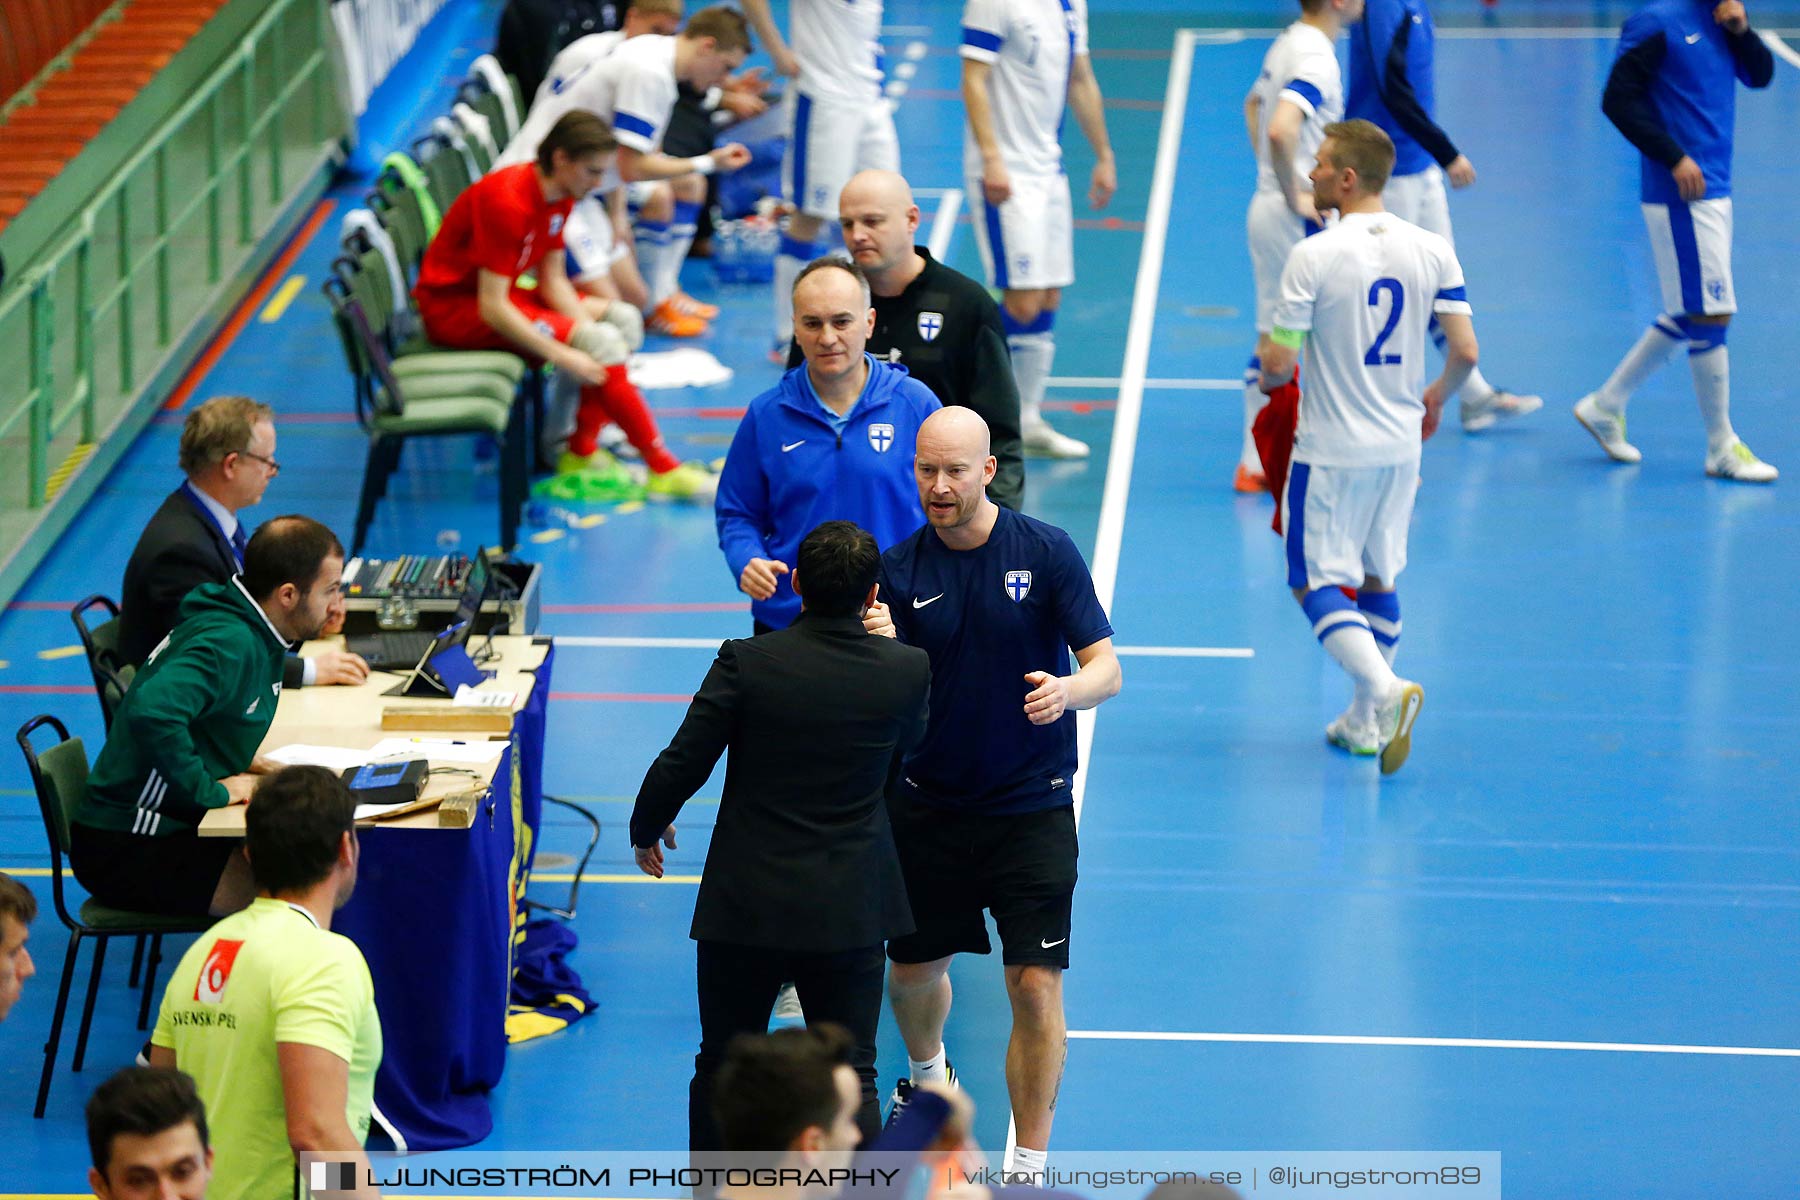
(266, 975)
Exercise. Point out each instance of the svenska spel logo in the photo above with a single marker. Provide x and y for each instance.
(215, 972)
(327, 1177)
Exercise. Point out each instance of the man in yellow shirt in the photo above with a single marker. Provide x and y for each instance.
(272, 1013)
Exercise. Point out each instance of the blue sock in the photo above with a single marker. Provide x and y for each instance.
(1382, 611)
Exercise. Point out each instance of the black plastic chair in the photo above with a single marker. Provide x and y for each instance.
(112, 675)
(59, 776)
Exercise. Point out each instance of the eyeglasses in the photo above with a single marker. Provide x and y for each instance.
(265, 460)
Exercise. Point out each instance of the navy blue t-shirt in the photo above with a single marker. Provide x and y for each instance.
(987, 617)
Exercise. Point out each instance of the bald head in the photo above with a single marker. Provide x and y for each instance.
(953, 467)
(956, 430)
(880, 222)
(887, 189)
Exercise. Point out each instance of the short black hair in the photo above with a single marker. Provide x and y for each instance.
(838, 563)
(16, 900)
(296, 820)
(144, 1101)
(773, 1086)
(288, 549)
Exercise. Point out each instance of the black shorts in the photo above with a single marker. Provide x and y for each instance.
(176, 874)
(1019, 866)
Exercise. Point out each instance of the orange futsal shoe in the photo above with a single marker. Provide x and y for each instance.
(670, 321)
(1248, 481)
(685, 303)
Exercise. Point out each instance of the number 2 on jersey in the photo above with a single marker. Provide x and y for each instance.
(1373, 356)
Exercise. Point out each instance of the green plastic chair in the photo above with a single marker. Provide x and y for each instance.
(393, 408)
(59, 776)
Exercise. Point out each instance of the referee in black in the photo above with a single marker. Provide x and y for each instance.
(939, 324)
(802, 881)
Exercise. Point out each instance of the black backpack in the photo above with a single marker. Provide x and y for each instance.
(532, 31)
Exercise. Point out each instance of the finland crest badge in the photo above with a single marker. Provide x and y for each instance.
(1018, 585)
(930, 325)
(556, 224)
(881, 436)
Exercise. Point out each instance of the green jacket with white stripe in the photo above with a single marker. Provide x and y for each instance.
(194, 714)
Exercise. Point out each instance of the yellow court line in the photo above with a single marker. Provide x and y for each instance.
(271, 313)
(61, 652)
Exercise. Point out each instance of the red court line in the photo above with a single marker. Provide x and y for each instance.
(1082, 407)
(704, 606)
(40, 605)
(615, 697)
(241, 315)
(47, 689)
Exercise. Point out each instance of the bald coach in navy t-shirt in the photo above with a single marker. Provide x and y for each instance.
(983, 816)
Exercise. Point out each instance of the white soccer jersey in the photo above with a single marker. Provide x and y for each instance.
(838, 43)
(1301, 67)
(632, 89)
(573, 60)
(1364, 291)
(1031, 46)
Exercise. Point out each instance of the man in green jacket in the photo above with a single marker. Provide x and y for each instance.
(185, 736)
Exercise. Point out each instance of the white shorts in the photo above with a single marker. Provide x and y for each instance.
(588, 238)
(1342, 524)
(1420, 198)
(1692, 244)
(1029, 241)
(1273, 231)
(830, 140)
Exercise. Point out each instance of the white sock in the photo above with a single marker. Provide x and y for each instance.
(789, 259)
(673, 252)
(1643, 360)
(1032, 354)
(934, 1070)
(1712, 387)
(1354, 648)
(1248, 456)
(1027, 1162)
(650, 239)
(1477, 388)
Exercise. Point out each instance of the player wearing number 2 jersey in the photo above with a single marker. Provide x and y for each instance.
(1359, 296)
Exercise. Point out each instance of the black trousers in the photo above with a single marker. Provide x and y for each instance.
(738, 985)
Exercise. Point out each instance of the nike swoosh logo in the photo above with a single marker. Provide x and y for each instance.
(1692, 38)
(1046, 945)
(791, 446)
(918, 603)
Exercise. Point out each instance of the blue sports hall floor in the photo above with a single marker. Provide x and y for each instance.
(1564, 932)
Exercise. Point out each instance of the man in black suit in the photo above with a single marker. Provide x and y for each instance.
(228, 456)
(802, 882)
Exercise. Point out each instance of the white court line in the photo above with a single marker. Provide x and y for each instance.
(1184, 651)
(1781, 49)
(1327, 1039)
(1117, 495)
(1108, 382)
(642, 643)
(943, 223)
(701, 643)
(1114, 499)
(906, 31)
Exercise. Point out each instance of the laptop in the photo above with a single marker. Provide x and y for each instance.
(402, 650)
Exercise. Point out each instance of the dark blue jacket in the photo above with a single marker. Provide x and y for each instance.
(788, 471)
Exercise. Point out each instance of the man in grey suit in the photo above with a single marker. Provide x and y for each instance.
(802, 882)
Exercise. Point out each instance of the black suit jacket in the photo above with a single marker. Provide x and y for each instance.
(179, 550)
(816, 717)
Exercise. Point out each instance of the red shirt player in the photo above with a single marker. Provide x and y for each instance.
(510, 223)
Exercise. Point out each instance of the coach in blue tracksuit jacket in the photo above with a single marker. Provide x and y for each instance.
(833, 441)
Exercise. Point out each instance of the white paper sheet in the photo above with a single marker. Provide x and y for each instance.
(438, 750)
(337, 758)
